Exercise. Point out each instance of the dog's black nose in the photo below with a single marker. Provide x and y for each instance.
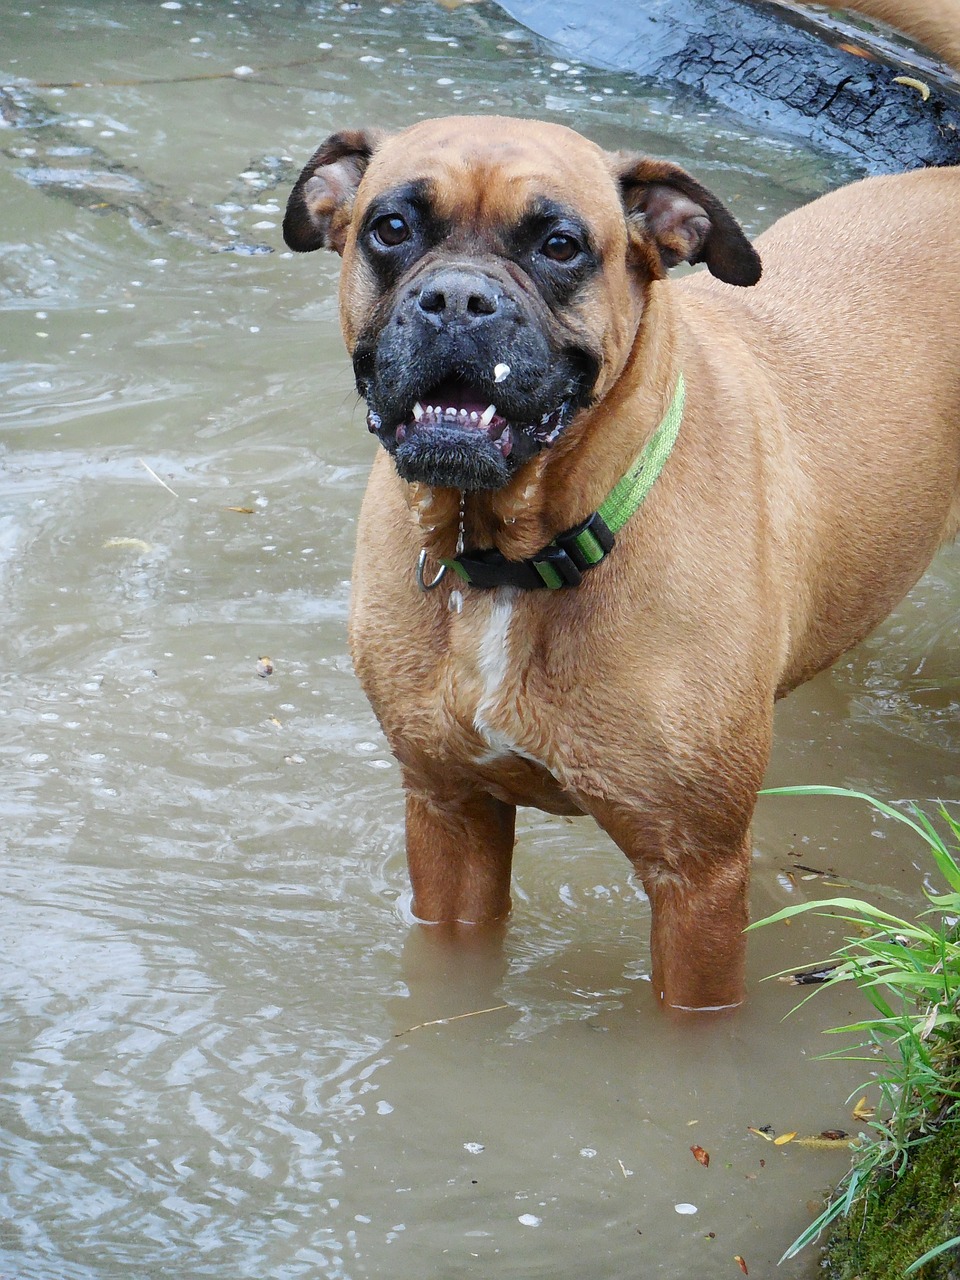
(459, 298)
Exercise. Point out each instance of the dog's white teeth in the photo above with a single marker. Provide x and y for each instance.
(418, 412)
(462, 416)
(474, 416)
(505, 443)
(501, 372)
(487, 416)
(450, 414)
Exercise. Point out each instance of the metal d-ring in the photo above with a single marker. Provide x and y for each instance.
(421, 581)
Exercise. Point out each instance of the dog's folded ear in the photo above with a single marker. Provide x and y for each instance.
(685, 221)
(321, 202)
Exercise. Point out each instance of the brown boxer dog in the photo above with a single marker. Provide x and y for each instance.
(615, 516)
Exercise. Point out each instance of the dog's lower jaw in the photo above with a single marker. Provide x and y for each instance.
(467, 467)
(451, 451)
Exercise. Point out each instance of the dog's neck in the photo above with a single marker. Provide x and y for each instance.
(562, 485)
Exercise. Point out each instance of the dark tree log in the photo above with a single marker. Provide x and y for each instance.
(797, 74)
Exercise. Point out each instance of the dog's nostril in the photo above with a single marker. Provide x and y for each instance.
(458, 297)
(433, 301)
(481, 304)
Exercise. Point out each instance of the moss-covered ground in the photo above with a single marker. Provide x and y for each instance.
(904, 1218)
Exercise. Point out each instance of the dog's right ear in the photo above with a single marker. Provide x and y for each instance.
(321, 202)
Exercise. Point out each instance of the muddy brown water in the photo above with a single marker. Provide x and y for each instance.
(220, 1053)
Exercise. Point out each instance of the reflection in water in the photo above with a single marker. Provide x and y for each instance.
(223, 1050)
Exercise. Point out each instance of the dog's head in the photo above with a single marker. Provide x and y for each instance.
(494, 278)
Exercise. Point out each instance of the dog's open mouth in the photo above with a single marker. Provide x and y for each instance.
(467, 416)
(455, 436)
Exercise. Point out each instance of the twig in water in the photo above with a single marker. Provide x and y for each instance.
(157, 478)
(439, 1022)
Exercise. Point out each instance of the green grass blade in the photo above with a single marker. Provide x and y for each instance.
(932, 1253)
(860, 909)
(846, 793)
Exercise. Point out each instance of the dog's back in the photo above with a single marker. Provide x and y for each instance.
(856, 320)
(935, 23)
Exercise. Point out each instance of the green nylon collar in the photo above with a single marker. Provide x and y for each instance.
(627, 496)
(563, 561)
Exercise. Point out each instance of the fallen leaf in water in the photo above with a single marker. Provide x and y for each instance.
(132, 544)
(702, 1156)
(834, 1135)
(784, 1139)
(264, 667)
(741, 1264)
(243, 511)
(761, 1133)
(863, 1110)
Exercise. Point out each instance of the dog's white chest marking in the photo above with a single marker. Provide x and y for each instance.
(493, 666)
(493, 656)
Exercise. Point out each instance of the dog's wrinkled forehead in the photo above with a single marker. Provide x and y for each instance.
(488, 171)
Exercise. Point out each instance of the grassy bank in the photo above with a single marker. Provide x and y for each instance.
(897, 1211)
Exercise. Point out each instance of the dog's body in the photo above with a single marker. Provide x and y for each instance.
(816, 471)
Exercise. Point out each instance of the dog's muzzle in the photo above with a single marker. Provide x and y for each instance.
(462, 384)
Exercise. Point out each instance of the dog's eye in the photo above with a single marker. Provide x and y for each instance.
(560, 247)
(390, 230)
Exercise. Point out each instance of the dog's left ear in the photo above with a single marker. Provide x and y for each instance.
(686, 222)
(321, 202)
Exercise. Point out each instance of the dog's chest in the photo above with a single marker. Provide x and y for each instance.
(490, 673)
(497, 716)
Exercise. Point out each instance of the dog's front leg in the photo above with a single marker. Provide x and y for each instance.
(460, 854)
(697, 947)
(697, 881)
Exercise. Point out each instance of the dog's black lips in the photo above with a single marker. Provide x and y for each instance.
(456, 435)
(468, 432)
